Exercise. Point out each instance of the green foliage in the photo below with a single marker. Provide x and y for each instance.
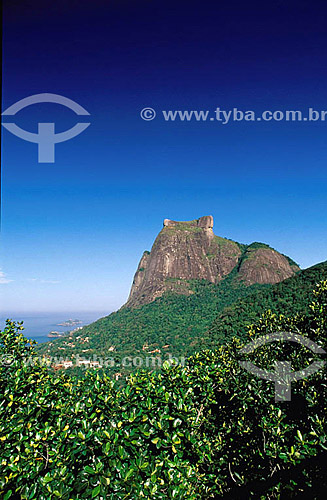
(290, 297)
(192, 316)
(210, 316)
(290, 261)
(189, 226)
(177, 320)
(203, 431)
(256, 245)
(13, 342)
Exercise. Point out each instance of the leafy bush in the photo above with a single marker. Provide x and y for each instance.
(202, 431)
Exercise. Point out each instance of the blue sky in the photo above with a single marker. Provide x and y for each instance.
(73, 231)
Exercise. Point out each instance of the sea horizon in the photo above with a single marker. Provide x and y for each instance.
(37, 325)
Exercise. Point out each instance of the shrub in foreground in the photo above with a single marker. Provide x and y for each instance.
(202, 431)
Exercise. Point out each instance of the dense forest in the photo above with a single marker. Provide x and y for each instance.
(290, 297)
(174, 320)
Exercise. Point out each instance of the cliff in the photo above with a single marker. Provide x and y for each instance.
(190, 250)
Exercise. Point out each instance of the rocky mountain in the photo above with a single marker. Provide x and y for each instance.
(190, 250)
(188, 294)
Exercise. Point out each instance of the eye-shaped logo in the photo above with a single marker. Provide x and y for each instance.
(6, 359)
(46, 138)
(282, 374)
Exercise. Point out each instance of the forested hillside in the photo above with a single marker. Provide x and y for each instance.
(289, 297)
(182, 325)
(173, 320)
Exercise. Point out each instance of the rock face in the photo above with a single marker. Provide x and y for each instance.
(190, 250)
(265, 265)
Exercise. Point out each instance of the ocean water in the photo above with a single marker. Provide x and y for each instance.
(38, 325)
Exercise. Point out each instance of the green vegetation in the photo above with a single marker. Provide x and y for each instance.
(290, 261)
(210, 316)
(290, 297)
(223, 241)
(250, 253)
(176, 320)
(183, 226)
(203, 431)
(256, 245)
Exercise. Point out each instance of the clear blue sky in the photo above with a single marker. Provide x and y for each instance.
(73, 231)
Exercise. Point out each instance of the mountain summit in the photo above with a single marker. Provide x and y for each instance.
(190, 250)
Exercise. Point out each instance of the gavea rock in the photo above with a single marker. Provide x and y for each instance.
(190, 250)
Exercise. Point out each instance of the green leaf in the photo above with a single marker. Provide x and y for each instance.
(47, 478)
(96, 491)
(89, 470)
(129, 473)
(33, 492)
